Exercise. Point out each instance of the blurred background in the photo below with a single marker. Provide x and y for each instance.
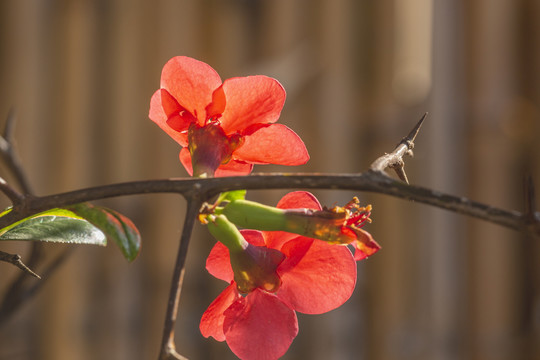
(359, 74)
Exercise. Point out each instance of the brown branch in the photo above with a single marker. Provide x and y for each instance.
(18, 291)
(370, 181)
(168, 348)
(7, 150)
(16, 260)
(16, 198)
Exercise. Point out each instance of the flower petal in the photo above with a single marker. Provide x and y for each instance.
(212, 319)
(185, 159)
(218, 263)
(364, 246)
(299, 200)
(164, 109)
(292, 200)
(317, 277)
(234, 168)
(260, 326)
(191, 82)
(247, 101)
(272, 144)
(254, 237)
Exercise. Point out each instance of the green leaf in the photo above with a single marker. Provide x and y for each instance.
(56, 225)
(116, 227)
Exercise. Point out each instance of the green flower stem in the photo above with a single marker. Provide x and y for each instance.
(227, 233)
(314, 224)
(252, 215)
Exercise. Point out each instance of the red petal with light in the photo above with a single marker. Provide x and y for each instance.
(292, 200)
(234, 168)
(185, 159)
(299, 200)
(364, 246)
(213, 318)
(191, 82)
(163, 107)
(272, 144)
(218, 263)
(317, 277)
(249, 100)
(260, 326)
(254, 237)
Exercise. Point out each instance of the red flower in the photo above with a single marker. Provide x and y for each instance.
(311, 276)
(223, 128)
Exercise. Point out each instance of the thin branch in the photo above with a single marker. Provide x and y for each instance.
(16, 198)
(9, 154)
(9, 126)
(17, 293)
(370, 181)
(168, 348)
(7, 150)
(16, 260)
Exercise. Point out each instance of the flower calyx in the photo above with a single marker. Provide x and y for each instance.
(253, 266)
(210, 147)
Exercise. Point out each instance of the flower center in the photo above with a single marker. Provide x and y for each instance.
(357, 215)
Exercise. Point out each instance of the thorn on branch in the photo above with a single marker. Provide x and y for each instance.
(399, 168)
(394, 160)
(16, 260)
(412, 135)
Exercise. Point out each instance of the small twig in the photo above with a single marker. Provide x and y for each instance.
(51, 267)
(16, 260)
(394, 160)
(168, 348)
(17, 293)
(9, 126)
(16, 198)
(10, 156)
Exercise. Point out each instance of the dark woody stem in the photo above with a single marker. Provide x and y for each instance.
(168, 348)
(369, 181)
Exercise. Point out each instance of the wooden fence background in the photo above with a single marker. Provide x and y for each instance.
(359, 74)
